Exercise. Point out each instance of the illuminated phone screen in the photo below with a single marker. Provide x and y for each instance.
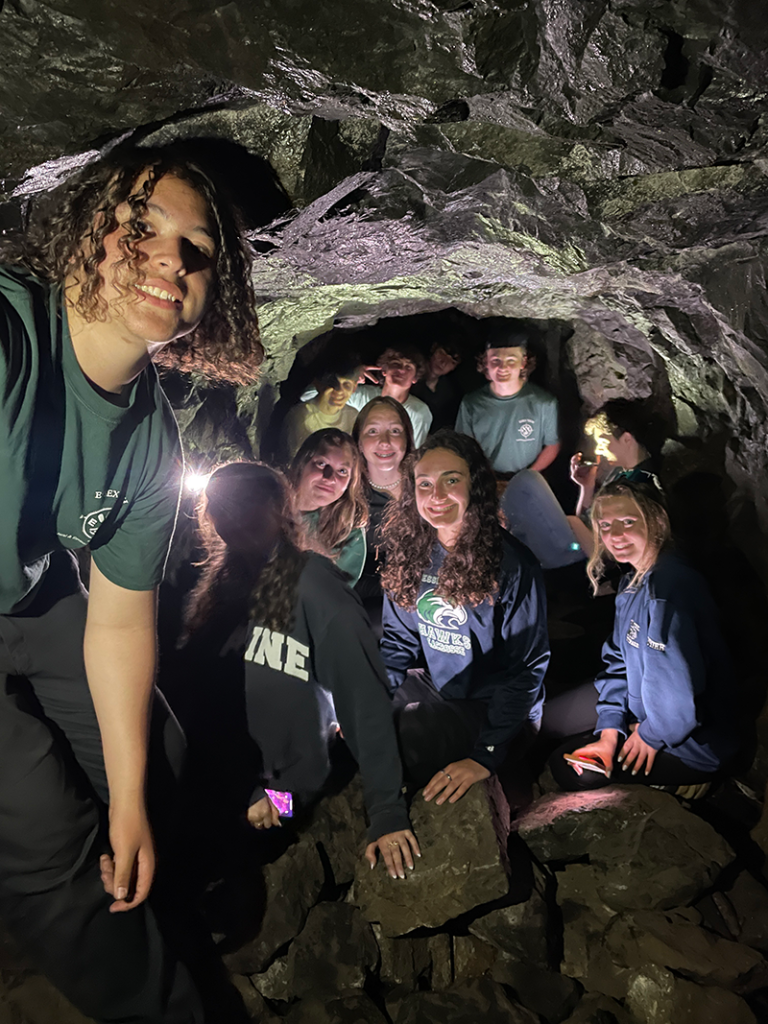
(283, 802)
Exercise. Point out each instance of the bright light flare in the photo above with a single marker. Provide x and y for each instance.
(195, 482)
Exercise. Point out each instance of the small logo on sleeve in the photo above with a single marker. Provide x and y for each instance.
(632, 633)
(655, 645)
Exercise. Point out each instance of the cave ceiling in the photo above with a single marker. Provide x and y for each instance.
(600, 164)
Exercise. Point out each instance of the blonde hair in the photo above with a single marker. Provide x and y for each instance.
(655, 520)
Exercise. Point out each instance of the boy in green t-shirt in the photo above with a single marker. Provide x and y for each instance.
(142, 263)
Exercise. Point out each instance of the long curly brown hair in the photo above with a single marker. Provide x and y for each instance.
(245, 496)
(649, 502)
(470, 571)
(69, 243)
(342, 516)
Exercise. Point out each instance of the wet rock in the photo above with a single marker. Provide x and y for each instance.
(335, 951)
(292, 885)
(461, 867)
(645, 851)
(481, 1000)
(553, 996)
(656, 996)
(519, 929)
(354, 1008)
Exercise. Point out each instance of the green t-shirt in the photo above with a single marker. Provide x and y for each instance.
(75, 469)
(511, 431)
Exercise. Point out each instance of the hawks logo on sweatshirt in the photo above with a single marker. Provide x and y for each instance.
(440, 622)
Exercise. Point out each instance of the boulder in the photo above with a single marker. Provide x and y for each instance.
(292, 885)
(338, 826)
(644, 850)
(518, 929)
(472, 957)
(596, 1009)
(462, 866)
(657, 996)
(253, 1000)
(605, 953)
(481, 1000)
(553, 996)
(351, 1008)
(415, 962)
(275, 982)
(335, 951)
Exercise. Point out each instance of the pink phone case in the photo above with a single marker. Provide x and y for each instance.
(282, 800)
(590, 766)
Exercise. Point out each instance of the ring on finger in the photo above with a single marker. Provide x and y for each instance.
(448, 776)
(393, 843)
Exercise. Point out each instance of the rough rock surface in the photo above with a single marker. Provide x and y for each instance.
(519, 929)
(462, 865)
(645, 851)
(656, 996)
(600, 165)
(479, 1000)
(335, 951)
(292, 885)
(353, 1008)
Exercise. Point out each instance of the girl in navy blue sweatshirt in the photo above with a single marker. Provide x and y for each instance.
(465, 628)
(663, 697)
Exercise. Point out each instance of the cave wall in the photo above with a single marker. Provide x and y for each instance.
(602, 165)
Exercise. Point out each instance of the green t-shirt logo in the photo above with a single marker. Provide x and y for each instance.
(437, 611)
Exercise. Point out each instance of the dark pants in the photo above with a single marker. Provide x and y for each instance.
(53, 793)
(668, 770)
(433, 731)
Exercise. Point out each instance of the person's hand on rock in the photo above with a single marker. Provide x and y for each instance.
(397, 849)
(453, 781)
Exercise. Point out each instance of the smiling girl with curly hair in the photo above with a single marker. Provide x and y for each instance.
(468, 599)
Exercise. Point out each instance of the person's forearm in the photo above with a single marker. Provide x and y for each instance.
(120, 664)
(546, 457)
(586, 494)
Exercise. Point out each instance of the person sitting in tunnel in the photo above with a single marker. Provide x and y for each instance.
(326, 479)
(401, 366)
(142, 262)
(665, 697)
(308, 661)
(383, 434)
(467, 599)
(628, 437)
(438, 387)
(514, 421)
(329, 408)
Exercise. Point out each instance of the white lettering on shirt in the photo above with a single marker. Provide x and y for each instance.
(266, 647)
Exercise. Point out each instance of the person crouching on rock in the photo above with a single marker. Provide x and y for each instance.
(663, 698)
(309, 655)
(468, 599)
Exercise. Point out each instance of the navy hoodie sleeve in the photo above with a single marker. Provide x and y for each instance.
(611, 684)
(673, 673)
(525, 643)
(347, 663)
(400, 645)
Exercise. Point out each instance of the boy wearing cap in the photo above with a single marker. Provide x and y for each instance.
(514, 421)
